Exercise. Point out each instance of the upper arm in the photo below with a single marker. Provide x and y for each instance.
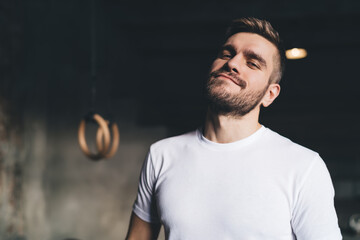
(141, 230)
(314, 215)
(145, 205)
(144, 222)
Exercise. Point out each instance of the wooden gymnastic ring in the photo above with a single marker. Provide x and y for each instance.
(82, 141)
(115, 140)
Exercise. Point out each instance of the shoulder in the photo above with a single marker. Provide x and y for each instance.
(299, 162)
(288, 151)
(281, 143)
(175, 142)
(166, 152)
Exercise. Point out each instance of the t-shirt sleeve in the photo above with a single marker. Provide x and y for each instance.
(314, 216)
(145, 203)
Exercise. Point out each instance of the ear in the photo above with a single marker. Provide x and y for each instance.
(271, 94)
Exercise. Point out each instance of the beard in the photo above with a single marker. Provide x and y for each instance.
(225, 103)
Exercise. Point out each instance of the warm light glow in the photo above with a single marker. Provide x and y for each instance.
(296, 53)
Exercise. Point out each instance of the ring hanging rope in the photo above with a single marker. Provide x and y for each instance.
(115, 140)
(103, 137)
(99, 141)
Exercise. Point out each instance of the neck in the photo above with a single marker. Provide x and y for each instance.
(227, 129)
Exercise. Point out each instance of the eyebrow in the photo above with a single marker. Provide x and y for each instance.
(229, 48)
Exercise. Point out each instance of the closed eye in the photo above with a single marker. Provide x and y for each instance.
(255, 59)
(227, 52)
(253, 65)
(225, 55)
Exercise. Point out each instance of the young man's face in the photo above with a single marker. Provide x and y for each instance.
(239, 76)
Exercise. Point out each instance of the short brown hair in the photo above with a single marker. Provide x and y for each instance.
(264, 29)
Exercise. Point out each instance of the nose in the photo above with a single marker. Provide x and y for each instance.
(233, 65)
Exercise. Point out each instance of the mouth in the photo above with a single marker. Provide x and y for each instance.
(228, 78)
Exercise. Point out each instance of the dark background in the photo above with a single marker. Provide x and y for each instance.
(152, 58)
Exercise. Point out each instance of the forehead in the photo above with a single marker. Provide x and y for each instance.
(251, 41)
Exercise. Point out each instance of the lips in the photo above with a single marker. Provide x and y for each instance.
(228, 77)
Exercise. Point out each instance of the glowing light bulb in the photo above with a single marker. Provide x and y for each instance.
(296, 53)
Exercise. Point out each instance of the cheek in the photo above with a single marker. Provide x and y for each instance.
(257, 80)
(216, 65)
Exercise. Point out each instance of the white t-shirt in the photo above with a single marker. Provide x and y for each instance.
(263, 187)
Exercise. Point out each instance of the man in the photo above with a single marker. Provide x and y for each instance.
(234, 178)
